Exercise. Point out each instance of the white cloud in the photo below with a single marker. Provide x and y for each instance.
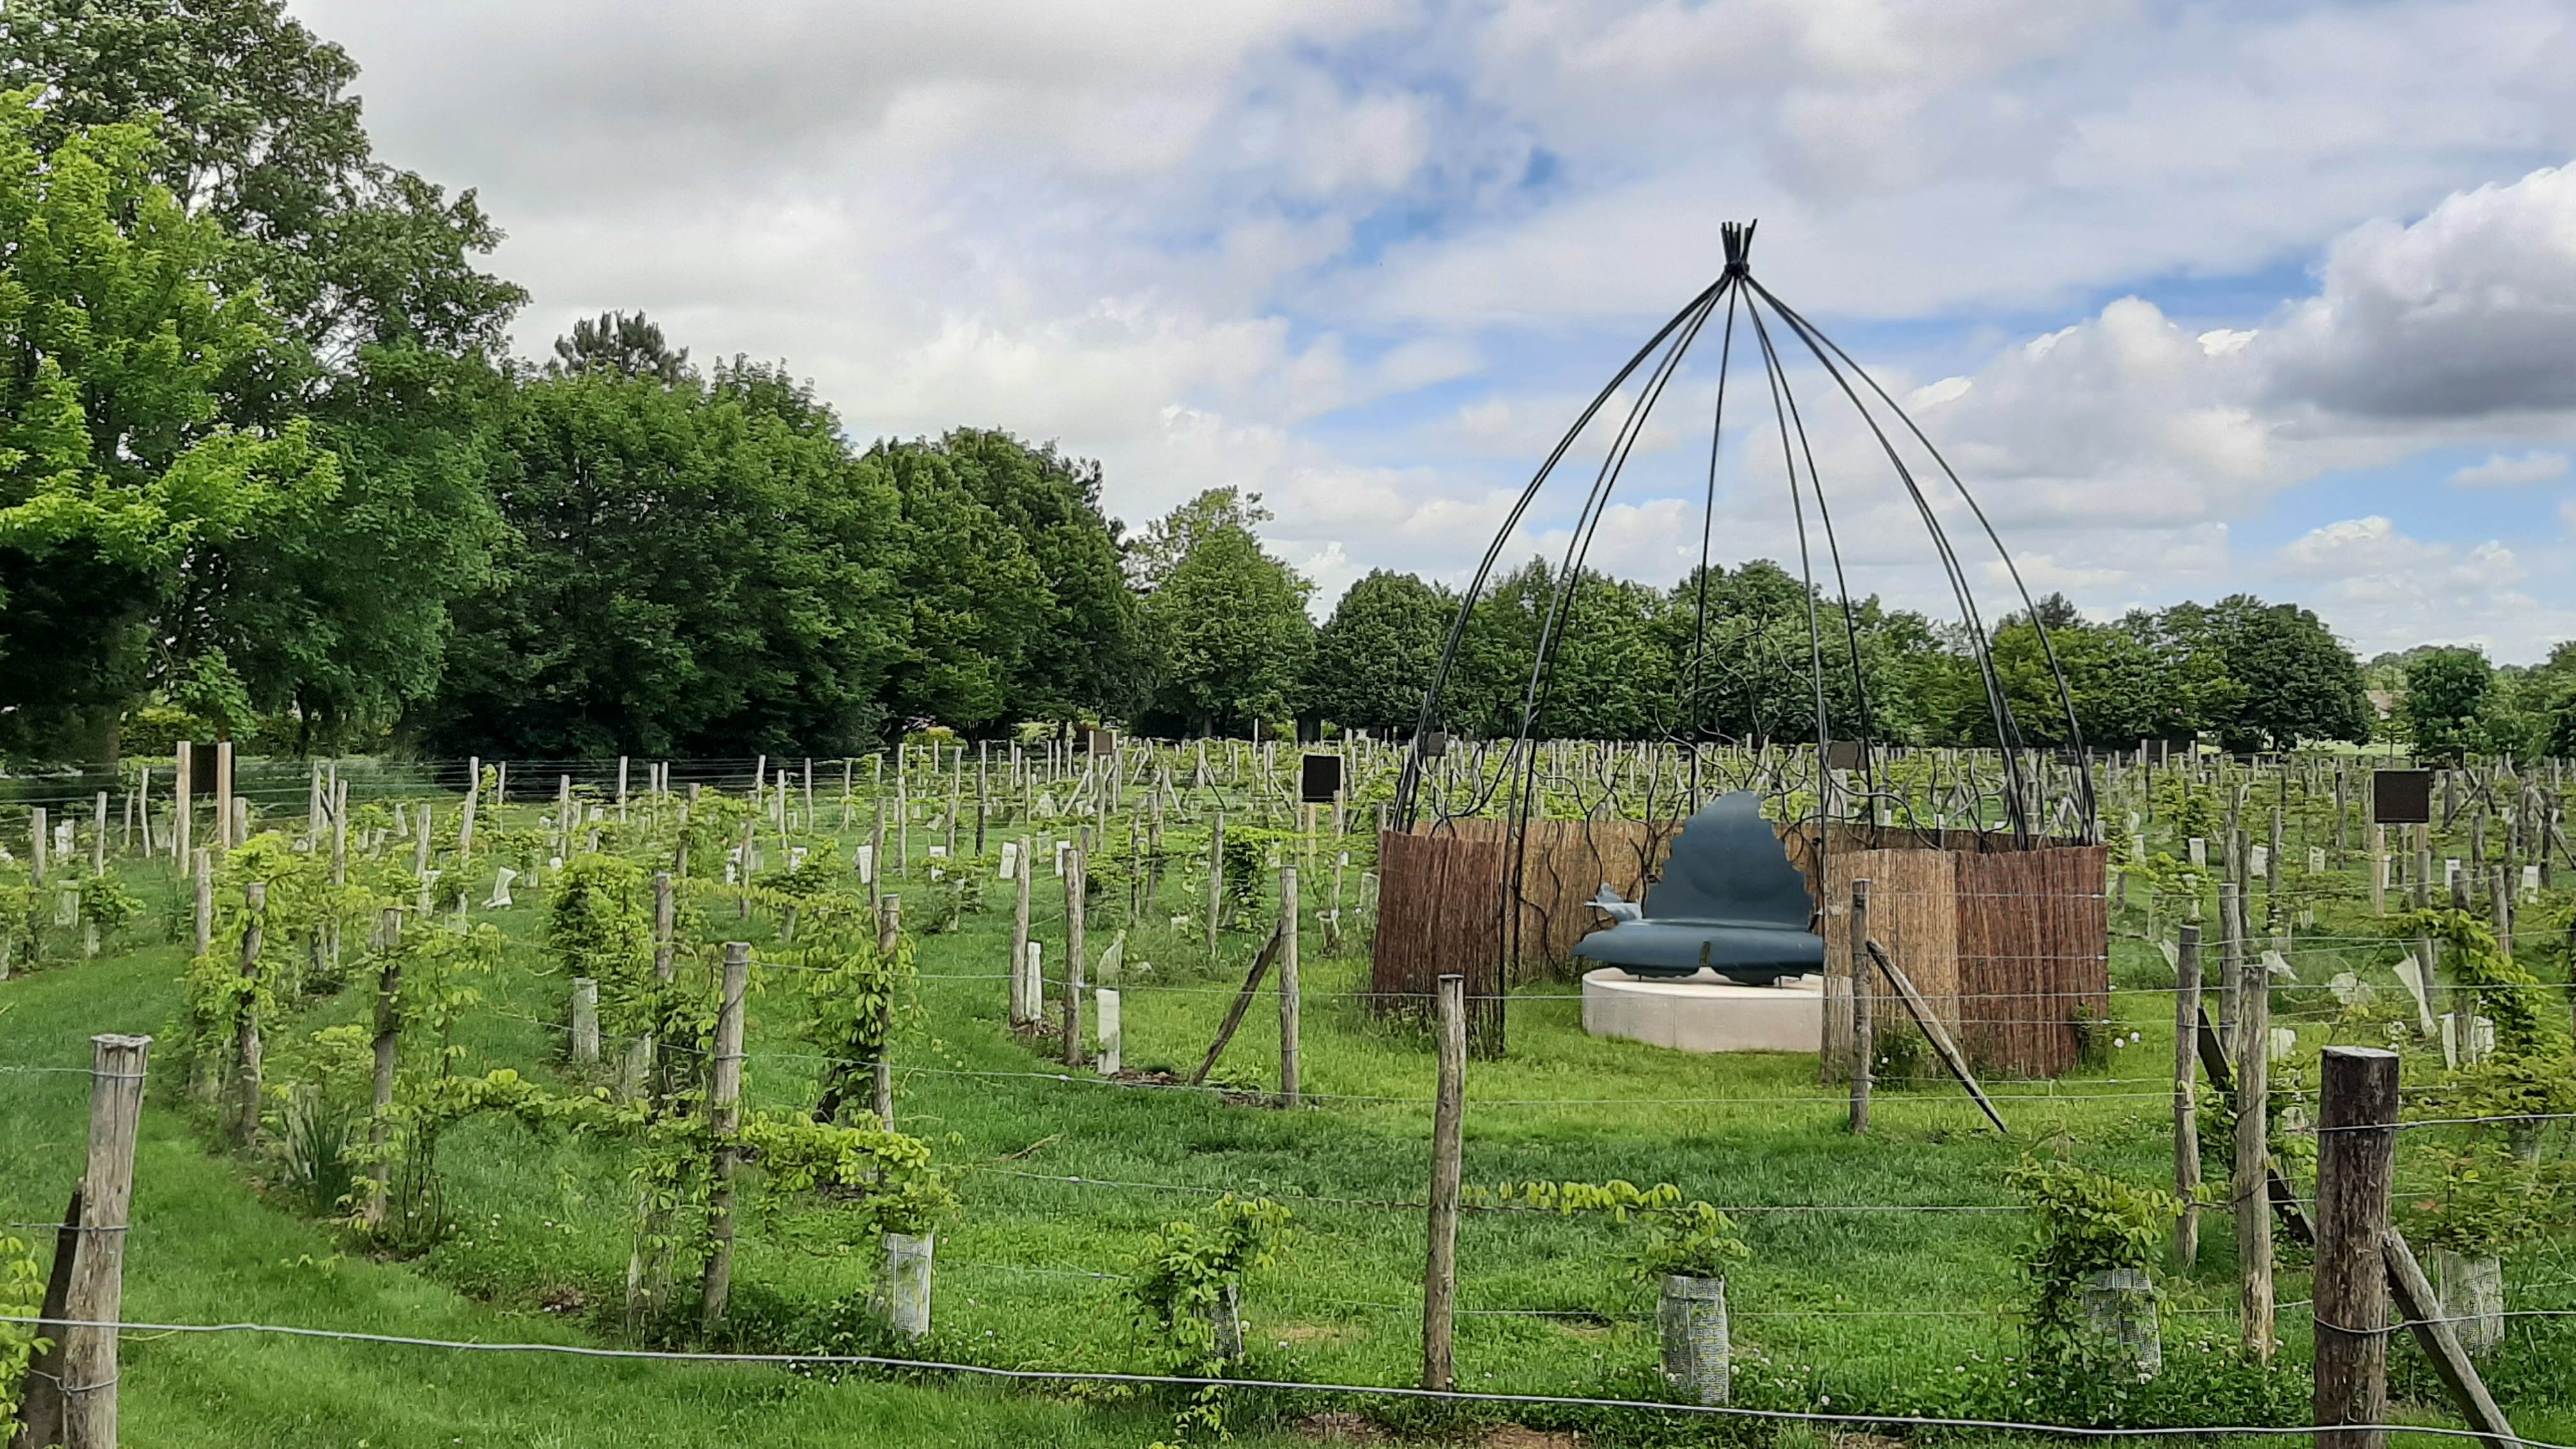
(2499, 471)
(1372, 256)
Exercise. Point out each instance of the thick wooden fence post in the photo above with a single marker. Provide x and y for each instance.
(1864, 1020)
(881, 1086)
(246, 1042)
(97, 1295)
(2186, 1107)
(1290, 999)
(388, 1047)
(183, 809)
(1074, 871)
(1448, 1120)
(2252, 1180)
(726, 1120)
(2356, 1152)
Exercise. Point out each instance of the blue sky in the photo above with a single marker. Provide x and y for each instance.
(2198, 297)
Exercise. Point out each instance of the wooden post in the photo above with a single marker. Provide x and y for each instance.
(2251, 1187)
(889, 939)
(726, 1119)
(224, 796)
(2356, 1152)
(2379, 870)
(182, 807)
(1448, 1116)
(2231, 952)
(246, 1044)
(388, 1046)
(39, 845)
(1073, 947)
(473, 799)
(1024, 1008)
(98, 837)
(1216, 880)
(89, 1355)
(1864, 1023)
(2186, 1107)
(1290, 1086)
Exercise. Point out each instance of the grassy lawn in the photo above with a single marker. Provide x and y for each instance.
(1859, 1308)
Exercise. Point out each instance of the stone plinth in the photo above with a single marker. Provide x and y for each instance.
(1705, 1012)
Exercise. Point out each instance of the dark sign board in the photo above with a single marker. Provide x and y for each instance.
(1431, 744)
(1102, 742)
(1846, 754)
(2401, 797)
(1320, 779)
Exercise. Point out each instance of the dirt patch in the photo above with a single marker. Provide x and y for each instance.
(1863, 1439)
(1135, 1078)
(1515, 1436)
(1340, 1426)
(1315, 1333)
(563, 1302)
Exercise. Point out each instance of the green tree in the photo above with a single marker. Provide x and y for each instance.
(119, 478)
(2446, 701)
(631, 345)
(384, 329)
(1088, 654)
(1376, 654)
(974, 598)
(1230, 619)
(691, 569)
(2294, 680)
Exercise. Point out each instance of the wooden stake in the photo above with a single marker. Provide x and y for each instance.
(1864, 1024)
(889, 940)
(246, 1043)
(1448, 1120)
(1073, 947)
(89, 1355)
(2251, 1185)
(1290, 1001)
(2186, 1143)
(2440, 1342)
(1024, 1008)
(1216, 880)
(182, 810)
(726, 1120)
(585, 1019)
(388, 1048)
(1234, 1015)
(223, 796)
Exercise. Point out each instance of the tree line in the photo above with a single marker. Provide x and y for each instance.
(270, 473)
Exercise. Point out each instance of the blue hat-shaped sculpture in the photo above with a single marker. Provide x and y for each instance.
(1729, 900)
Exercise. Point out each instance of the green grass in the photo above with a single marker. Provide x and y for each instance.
(1866, 1307)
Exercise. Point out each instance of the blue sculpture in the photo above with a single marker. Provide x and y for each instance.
(1729, 900)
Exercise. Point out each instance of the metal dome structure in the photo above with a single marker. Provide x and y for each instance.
(2035, 789)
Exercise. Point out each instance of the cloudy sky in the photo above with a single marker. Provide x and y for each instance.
(2196, 298)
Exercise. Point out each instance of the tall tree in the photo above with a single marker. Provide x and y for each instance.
(631, 345)
(385, 327)
(119, 478)
(1375, 656)
(2446, 703)
(1229, 617)
(691, 569)
(2295, 681)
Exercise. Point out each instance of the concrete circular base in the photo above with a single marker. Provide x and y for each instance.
(1706, 1012)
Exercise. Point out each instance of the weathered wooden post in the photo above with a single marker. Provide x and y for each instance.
(388, 1045)
(2356, 1153)
(1864, 1023)
(881, 1087)
(1074, 960)
(2251, 1186)
(1448, 1120)
(1216, 880)
(726, 1119)
(224, 797)
(1290, 997)
(2186, 1107)
(246, 1043)
(89, 1353)
(182, 806)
